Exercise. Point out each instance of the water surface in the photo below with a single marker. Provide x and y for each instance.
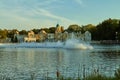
(21, 63)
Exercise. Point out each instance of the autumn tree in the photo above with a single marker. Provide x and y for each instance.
(3, 34)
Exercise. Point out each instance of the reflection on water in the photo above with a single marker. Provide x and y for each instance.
(20, 63)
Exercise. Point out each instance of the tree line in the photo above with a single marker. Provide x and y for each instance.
(106, 30)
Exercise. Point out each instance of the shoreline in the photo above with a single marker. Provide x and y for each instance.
(110, 42)
(91, 42)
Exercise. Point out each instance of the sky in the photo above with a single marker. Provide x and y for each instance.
(36, 14)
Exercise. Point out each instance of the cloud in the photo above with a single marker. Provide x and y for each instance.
(31, 13)
(34, 17)
(40, 12)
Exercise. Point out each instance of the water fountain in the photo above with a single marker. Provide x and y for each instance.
(71, 43)
(74, 43)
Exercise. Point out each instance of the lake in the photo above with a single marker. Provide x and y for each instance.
(23, 62)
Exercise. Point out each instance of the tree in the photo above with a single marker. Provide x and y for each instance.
(36, 31)
(74, 28)
(3, 34)
(45, 29)
(107, 29)
(23, 32)
(52, 29)
(88, 27)
(11, 33)
(91, 28)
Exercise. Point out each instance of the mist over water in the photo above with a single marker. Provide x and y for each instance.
(69, 44)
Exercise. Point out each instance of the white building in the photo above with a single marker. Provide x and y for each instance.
(51, 37)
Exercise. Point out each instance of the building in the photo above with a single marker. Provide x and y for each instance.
(59, 35)
(30, 37)
(51, 37)
(42, 36)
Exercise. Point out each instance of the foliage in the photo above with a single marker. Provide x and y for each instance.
(11, 33)
(52, 30)
(91, 28)
(74, 28)
(23, 32)
(107, 30)
(45, 29)
(88, 27)
(36, 31)
(3, 34)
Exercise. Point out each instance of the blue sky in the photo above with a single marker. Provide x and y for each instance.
(30, 14)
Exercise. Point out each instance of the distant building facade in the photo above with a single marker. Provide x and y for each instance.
(59, 35)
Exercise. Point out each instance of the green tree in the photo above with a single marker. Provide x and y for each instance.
(23, 32)
(74, 28)
(45, 29)
(52, 29)
(11, 33)
(36, 31)
(107, 29)
(91, 28)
